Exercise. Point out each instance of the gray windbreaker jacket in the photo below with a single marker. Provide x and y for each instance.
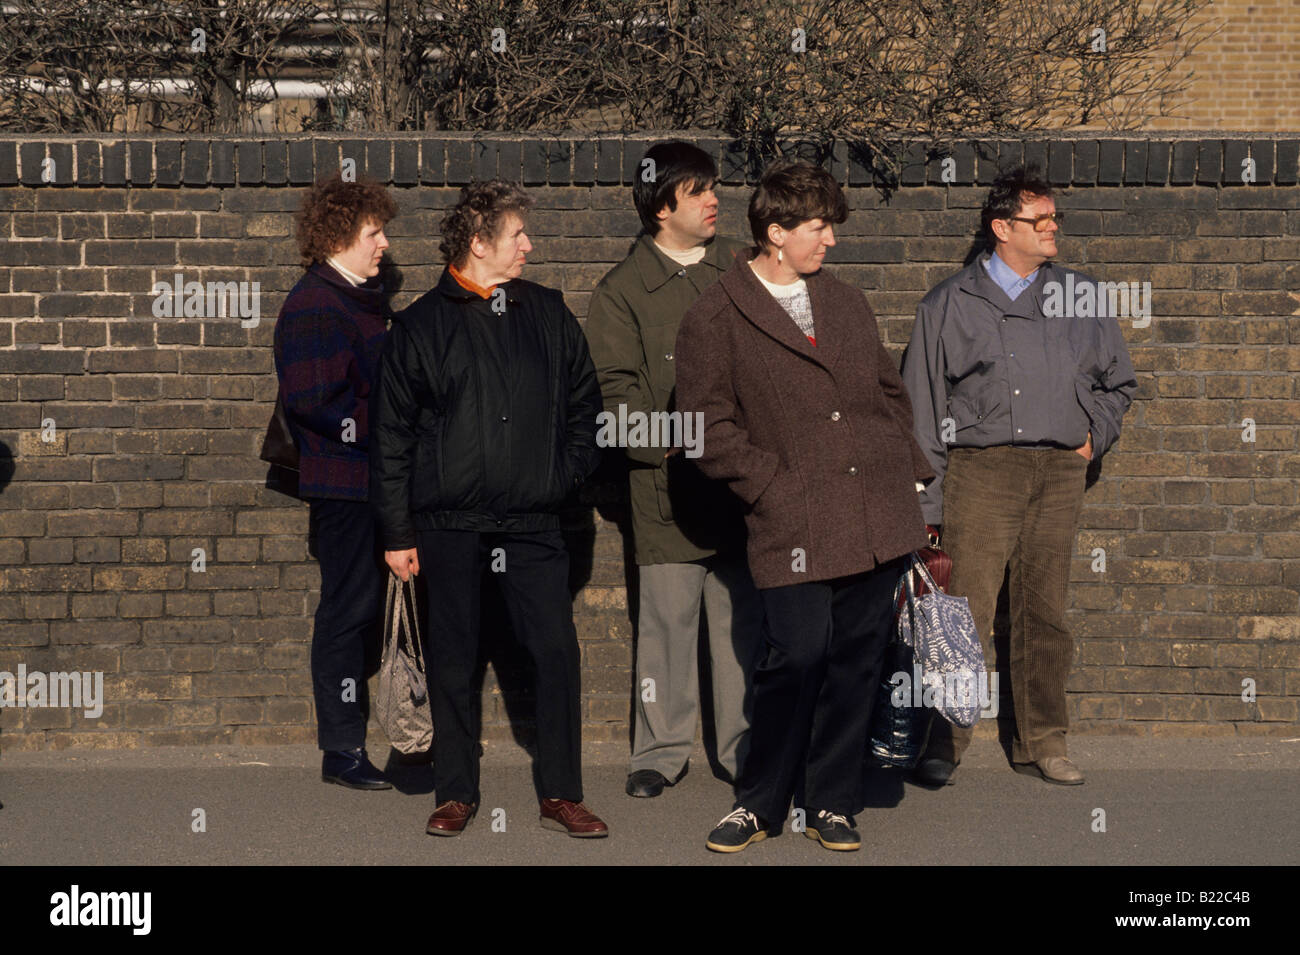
(1002, 372)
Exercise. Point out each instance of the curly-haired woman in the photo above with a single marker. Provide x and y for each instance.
(327, 342)
(484, 424)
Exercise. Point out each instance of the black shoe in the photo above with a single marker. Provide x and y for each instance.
(934, 771)
(834, 831)
(651, 782)
(736, 830)
(353, 769)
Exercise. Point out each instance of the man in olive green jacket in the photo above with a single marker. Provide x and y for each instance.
(687, 530)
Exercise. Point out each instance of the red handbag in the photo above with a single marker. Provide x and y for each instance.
(938, 563)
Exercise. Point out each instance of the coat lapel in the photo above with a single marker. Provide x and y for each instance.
(762, 311)
(831, 315)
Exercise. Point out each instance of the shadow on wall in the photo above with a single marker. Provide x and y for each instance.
(6, 476)
(498, 645)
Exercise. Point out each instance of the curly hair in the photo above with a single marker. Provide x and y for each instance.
(333, 212)
(480, 211)
(1007, 196)
(791, 192)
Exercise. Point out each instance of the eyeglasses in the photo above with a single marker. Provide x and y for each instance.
(1040, 222)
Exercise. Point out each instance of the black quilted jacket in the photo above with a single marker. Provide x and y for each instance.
(482, 418)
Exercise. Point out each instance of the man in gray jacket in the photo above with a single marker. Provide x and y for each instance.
(1019, 377)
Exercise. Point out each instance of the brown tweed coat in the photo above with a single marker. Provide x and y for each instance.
(816, 440)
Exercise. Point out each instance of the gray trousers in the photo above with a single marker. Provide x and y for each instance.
(667, 654)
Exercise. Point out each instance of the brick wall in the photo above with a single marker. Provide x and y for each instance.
(157, 422)
(1244, 76)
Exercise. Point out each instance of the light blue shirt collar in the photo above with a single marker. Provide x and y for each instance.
(1006, 277)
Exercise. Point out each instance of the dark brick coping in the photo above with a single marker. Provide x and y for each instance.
(570, 159)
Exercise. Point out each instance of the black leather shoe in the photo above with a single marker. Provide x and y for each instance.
(353, 769)
(651, 782)
(934, 771)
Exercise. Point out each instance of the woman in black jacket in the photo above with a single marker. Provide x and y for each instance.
(485, 422)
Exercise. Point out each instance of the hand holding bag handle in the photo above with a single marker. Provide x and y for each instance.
(402, 697)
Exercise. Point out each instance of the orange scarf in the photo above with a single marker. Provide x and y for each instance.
(466, 284)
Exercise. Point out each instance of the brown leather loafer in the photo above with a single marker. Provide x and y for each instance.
(1053, 769)
(451, 818)
(572, 817)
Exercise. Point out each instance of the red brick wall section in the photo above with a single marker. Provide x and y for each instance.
(158, 422)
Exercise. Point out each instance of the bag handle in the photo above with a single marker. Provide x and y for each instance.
(919, 565)
(409, 624)
(411, 620)
(909, 605)
(397, 619)
(391, 613)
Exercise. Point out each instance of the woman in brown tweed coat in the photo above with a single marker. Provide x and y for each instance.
(807, 420)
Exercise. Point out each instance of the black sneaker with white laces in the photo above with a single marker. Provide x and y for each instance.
(736, 830)
(834, 831)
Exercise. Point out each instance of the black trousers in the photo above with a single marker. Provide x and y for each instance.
(346, 636)
(814, 687)
(533, 572)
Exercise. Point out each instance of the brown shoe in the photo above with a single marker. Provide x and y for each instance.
(451, 818)
(572, 817)
(1053, 769)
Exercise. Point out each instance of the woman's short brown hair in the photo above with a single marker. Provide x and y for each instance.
(481, 212)
(333, 212)
(793, 191)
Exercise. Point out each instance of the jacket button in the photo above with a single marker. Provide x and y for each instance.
(1020, 430)
(668, 357)
(1016, 392)
(835, 416)
(505, 417)
(501, 523)
(853, 470)
(682, 272)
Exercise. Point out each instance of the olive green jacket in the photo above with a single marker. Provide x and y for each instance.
(677, 514)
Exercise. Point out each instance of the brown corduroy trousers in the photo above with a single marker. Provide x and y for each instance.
(1019, 506)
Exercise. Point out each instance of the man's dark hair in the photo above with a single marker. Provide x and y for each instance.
(480, 211)
(675, 163)
(1007, 196)
(794, 191)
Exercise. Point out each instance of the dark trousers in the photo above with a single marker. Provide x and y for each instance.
(535, 589)
(348, 619)
(1019, 506)
(814, 686)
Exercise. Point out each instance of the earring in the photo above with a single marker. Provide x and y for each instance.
(778, 255)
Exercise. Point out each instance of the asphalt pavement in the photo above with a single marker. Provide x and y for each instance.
(1185, 802)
